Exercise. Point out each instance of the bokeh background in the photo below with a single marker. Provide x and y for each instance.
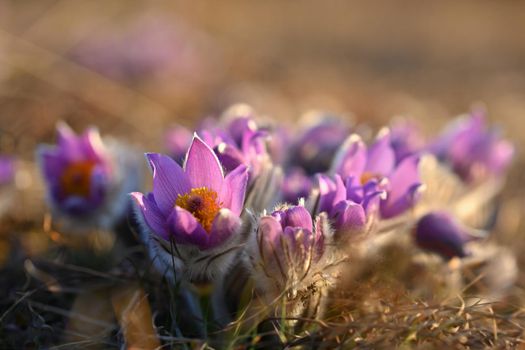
(135, 68)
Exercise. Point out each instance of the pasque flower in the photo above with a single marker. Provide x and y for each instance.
(288, 248)
(351, 206)
(87, 180)
(378, 162)
(196, 205)
(473, 150)
(441, 233)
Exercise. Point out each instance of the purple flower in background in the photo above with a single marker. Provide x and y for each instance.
(440, 233)
(7, 170)
(195, 205)
(296, 185)
(473, 150)
(406, 139)
(378, 162)
(238, 142)
(316, 148)
(350, 205)
(77, 171)
(177, 141)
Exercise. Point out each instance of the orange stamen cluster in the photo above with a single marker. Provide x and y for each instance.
(76, 178)
(202, 203)
(367, 176)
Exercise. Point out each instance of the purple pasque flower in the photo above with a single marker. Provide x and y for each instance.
(288, 245)
(238, 142)
(77, 171)
(195, 205)
(351, 206)
(473, 150)
(441, 233)
(317, 146)
(378, 162)
(406, 139)
(7, 169)
(296, 185)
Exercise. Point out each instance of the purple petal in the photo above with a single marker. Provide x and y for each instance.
(203, 167)
(51, 162)
(327, 189)
(381, 156)
(270, 229)
(225, 224)
(351, 158)
(440, 233)
(229, 156)
(92, 146)
(349, 216)
(151, 213)
(169, 180)
(298, 216)
(404, 187)
(234, 189)
(68, 142)
(185, 228)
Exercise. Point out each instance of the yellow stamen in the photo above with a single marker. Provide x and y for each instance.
(202, 203)
(76, 178)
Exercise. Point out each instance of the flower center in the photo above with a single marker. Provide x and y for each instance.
(202, 204)
(367, 176)
(76, 178)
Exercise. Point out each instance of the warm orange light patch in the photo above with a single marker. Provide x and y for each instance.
(367, 176)
(76, 179)
(203, 203)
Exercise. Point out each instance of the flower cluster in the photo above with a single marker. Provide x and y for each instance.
(219, 201)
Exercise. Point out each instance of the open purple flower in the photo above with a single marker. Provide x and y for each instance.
(195, 205)
(473, 150)
(440, 233)
(352, 207)
(7, 170)
(88, 179)
(378, 162)
(77, 171)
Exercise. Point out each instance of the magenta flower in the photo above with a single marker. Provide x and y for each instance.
(77, 171)
(440, 233)
(352, 207)
(195, 205)
(7, 169)
(238, 142)
(473, 150)
(378, 163)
